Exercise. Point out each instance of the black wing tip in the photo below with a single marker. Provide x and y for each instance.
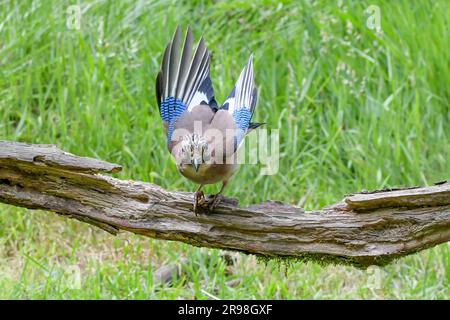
(189, 32)
(176, 36)
(159, 88)
(177, 29)
(254, 125)
(201, 44)
(254, 98)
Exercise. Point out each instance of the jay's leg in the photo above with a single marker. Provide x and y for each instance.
(218, 197)
(199, 198)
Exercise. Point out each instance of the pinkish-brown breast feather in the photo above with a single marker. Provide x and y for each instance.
(223, 122)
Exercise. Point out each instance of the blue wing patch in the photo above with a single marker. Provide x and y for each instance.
(242, 119)
(171, 109)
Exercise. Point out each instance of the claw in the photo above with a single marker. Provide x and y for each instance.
(199, 199)
(216, 200)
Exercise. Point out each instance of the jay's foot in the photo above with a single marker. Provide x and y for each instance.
(199, 200)
(215, 201)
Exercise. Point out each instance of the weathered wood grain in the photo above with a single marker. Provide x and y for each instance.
(364, 229)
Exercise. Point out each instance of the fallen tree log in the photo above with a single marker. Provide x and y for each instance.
(364, 229)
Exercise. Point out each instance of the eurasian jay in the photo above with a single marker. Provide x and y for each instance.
(202, 137)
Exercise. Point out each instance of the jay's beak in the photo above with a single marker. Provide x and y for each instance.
(196, 164)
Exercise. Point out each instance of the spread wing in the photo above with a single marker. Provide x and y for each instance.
(241, 102)
(183, 81)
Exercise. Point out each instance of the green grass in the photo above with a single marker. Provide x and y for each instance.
(355, 109)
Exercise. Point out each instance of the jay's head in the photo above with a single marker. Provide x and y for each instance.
(194, 150)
